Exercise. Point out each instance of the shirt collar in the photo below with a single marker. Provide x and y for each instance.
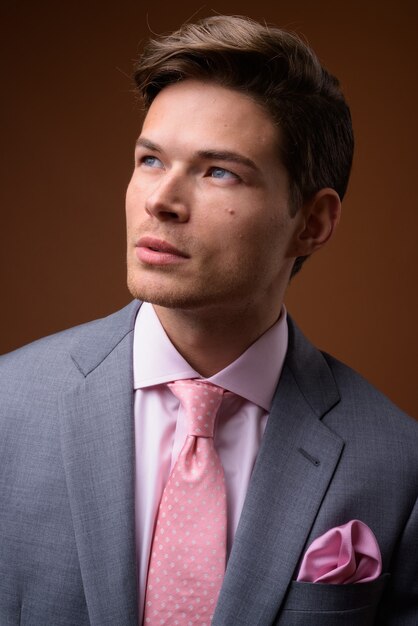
(254, 375)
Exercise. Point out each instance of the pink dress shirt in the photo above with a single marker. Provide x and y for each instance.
(160, 428)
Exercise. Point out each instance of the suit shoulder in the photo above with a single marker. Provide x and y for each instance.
(52, 353)
(328, 383)
(350, 381)
(368, 406)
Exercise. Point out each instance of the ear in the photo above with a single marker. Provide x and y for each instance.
(319, 218)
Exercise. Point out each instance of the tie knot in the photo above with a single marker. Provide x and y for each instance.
(201, 401)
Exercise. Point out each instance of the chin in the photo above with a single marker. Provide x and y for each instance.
(161, 295)
(171, 297)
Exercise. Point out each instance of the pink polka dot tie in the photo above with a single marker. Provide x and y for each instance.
(187, 562)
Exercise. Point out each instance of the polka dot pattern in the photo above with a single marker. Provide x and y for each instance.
(187, 562)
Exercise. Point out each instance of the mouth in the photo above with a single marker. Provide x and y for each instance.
(153, 251)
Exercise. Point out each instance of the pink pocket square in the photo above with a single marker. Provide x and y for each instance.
(345, 554)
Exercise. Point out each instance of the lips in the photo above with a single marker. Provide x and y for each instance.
(152, 251)
(159, 245)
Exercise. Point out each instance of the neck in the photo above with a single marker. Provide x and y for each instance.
(209, 341)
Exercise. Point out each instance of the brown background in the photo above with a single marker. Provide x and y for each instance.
(69, 124)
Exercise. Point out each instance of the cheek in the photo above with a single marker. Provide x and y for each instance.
(263, 238)
(129, 196)
(132, 200)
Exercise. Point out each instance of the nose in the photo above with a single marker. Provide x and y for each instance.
(168, 200)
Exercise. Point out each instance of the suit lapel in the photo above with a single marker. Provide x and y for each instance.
(97, 434)
(294, 467)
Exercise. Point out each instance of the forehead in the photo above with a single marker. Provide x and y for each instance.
(209, 115)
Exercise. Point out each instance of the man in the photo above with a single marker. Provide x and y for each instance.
(240, 168)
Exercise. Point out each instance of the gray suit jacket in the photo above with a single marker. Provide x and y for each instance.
(334, 449)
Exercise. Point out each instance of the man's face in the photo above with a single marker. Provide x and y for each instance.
(208, 216)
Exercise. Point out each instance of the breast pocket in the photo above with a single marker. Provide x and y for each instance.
(318, 604)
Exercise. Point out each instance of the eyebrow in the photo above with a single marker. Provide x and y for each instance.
(142, 142)
(216, 155)
(226, 155)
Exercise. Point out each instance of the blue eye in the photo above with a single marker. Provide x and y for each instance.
(220, 172)
(151, 161)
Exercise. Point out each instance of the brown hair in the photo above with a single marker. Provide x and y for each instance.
(279, 71)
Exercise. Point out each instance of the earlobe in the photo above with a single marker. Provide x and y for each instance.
(320, 216)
